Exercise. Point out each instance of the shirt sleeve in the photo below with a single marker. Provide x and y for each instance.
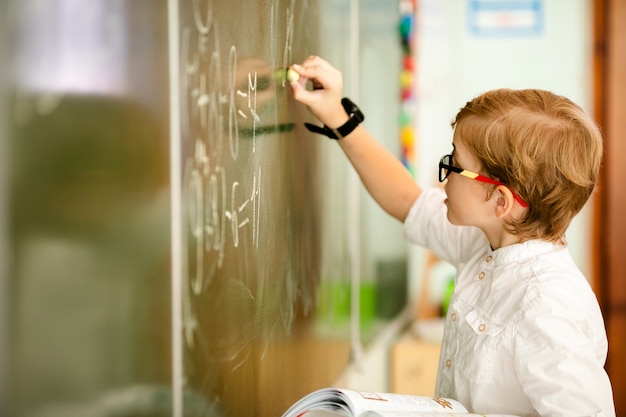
(427, 225)
(560, 353)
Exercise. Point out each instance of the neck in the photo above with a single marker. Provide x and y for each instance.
(501, 239)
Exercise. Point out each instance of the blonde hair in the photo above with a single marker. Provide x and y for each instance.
(541, 145)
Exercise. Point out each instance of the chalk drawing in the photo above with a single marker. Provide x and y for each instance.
(203, 23)
(214, 130)
(224, 98)
(287, 52)
(233, 126)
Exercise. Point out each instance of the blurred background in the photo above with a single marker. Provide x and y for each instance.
(172, 240)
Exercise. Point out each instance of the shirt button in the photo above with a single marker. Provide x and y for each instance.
(482, 327)
(449, 363)
(489, 258)
(453, 316)
(481, 275)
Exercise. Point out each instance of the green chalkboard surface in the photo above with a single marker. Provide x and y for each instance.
(169, 250)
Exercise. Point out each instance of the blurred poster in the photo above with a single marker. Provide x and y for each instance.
(506, 17)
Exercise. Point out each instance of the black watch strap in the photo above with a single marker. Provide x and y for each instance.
(356, 117)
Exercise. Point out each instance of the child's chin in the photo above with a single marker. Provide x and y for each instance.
(450, 218)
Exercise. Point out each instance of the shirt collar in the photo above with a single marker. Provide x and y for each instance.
(521, 251)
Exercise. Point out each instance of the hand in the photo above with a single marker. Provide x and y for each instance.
(324, 100)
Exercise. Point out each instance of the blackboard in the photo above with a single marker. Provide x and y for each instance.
(168, 249)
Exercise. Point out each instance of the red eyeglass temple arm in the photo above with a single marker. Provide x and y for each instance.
(488, 180)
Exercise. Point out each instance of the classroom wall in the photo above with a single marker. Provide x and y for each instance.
(457, 60)
(549, 49)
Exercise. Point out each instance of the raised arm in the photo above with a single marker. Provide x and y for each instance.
(382, 174)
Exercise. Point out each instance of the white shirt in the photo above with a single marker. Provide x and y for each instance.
(524, 334)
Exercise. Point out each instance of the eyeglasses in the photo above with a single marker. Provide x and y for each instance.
(445, 167)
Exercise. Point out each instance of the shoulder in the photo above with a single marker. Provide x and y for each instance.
(427, 225)
(541, 278)
(558, 300)
(555, 277)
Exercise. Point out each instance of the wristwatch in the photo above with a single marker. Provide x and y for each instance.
(356, 117)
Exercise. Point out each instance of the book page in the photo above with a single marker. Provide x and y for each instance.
(324, 400)
(350, 403)
(328, 413)
(372, 401)
(322, 413)
(419, 414)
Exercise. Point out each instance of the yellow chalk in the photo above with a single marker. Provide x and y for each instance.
(292, 75)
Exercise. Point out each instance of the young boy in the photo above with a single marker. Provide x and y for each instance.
(524, 334)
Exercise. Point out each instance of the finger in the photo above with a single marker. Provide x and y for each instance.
(301, 94)
(315, 60)
(321, 75)
(297, 90)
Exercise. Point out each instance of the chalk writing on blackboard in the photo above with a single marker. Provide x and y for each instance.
(203, 25)
(287, 52)
(229, 100)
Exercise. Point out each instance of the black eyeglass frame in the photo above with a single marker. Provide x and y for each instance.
(445, 167)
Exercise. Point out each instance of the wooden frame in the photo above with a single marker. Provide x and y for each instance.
(609, 220)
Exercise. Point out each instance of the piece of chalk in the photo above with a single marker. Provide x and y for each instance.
(292, 75)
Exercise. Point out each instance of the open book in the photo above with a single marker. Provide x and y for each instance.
(336, 402)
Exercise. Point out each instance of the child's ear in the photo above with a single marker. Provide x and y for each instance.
(504, 201)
